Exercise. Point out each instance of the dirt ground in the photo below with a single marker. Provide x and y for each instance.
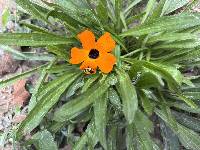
(12, 98)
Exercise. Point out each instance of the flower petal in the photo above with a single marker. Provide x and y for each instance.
(106, 62)
(87, 39)
(105, 43)
(89, 64)
(78, 55)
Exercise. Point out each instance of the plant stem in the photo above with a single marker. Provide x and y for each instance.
(133, 52)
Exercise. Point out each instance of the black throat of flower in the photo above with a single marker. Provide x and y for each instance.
(94, 54)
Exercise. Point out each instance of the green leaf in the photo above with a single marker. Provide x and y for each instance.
(170, 140)
(117, 53)
(102, 11)
(192, 94)
(33, 39)
(157, 12)
(5, 17)
(169, 73)
(114, 98)
(89, 83)
(35, 28)
(187, 101)
(46, 100)
(30, 8)
(131, 19)
(75, 106)
(170, 57)
(70, 22)
(171, 37)
(172, 5)
(59, 51)
(44, 141)
(79, 11)
(185, 56)
(118, 7)
(48, 88)
(166, 23)
(187, 120)
(13, 51)
(128, 95)
(130, 6)
(100, 117)
(34, 56)
(148, 80)
(147, 105)
(187, 137)
(185, 107)
(142, 127)
(188, 44)
(88, 136)
(43, 75)
(129, 137)
(11, 80)
(112, 138)
(57, 69)
(148, 10)
(122, 17)
(73, 89)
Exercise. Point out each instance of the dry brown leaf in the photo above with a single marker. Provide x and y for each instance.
(20, 94)
(7, 64)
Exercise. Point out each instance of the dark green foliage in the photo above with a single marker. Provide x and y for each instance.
(154, 49)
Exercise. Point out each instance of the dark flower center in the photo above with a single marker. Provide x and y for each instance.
(94, 54)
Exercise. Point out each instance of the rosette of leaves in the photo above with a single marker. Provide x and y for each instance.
(147, 102)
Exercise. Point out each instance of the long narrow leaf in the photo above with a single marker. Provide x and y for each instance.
(33, 39)
(6, 82)
(100, 113)
(78, 104)
(43, 106)
(166, 23)
(128, 95)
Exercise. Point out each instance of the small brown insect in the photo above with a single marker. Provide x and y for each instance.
(88, 71)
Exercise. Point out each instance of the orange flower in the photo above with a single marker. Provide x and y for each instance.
(94, 54)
